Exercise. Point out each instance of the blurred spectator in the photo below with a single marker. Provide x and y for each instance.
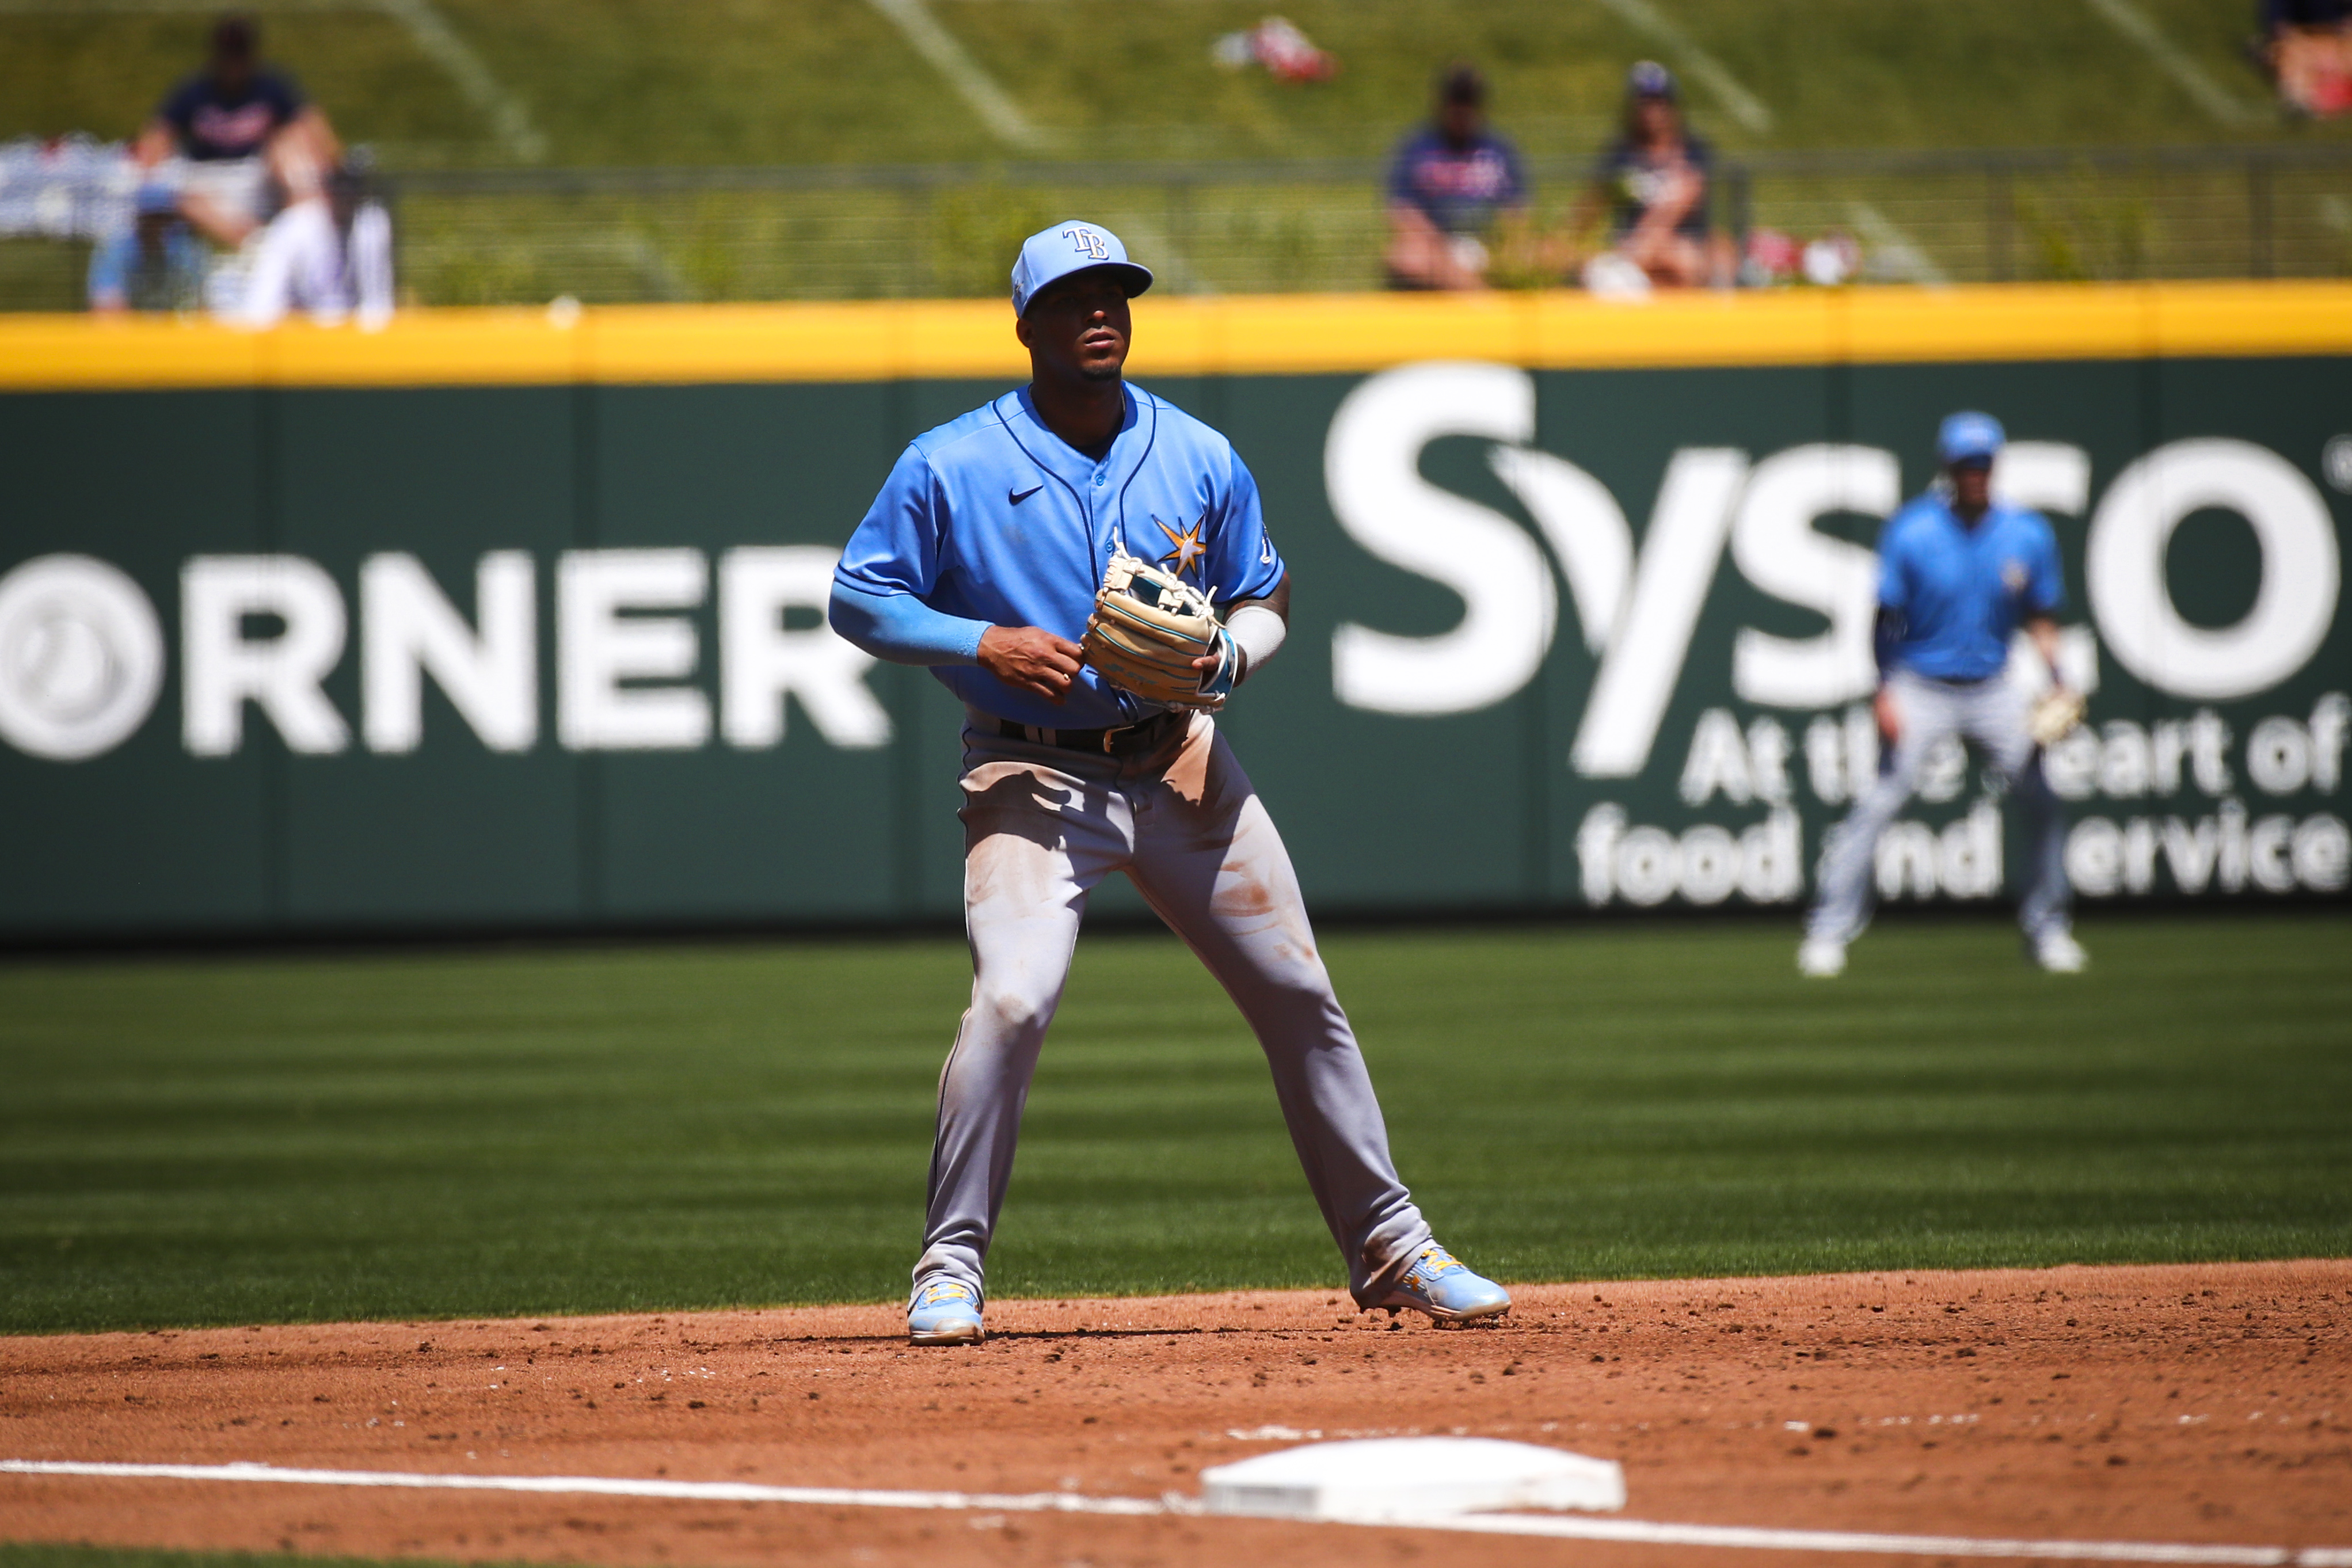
(1287, 54)
(239, 125)
(66, 188)
(330, 257)
(2307, 47)
(154, 263)
(1451, 182)
(1652, 181)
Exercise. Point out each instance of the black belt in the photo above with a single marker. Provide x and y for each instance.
(1119, 741)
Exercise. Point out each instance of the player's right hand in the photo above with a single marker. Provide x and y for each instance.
(1030, 660)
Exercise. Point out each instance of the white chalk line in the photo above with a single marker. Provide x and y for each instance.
(2221, 105)
(979, 89)
(1737, 100)
(1897, 251)
(604, 1486)
(432, 33)
(1633, 1531)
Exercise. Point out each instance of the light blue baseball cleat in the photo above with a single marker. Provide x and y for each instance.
(1442, 1285)
(946, 1312)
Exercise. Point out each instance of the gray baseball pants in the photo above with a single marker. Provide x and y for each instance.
(1042, 827)
(1991, 715)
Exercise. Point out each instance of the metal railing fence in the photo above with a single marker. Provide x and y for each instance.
(485, 236)
(2064, 214)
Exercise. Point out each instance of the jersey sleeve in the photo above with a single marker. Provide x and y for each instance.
(1242, 563)
(1893, 565)
(896, 548)
(2046, 585)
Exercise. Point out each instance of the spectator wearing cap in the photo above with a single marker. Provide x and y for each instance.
(1451, 182)
(1652, 181)
(239, 125)
(2307, 47)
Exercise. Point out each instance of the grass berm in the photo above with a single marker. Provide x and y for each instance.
(633, 82)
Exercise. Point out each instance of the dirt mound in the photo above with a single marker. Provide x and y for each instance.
(2190, 1403)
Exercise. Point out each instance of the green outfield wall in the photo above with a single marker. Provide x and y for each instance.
(496, 622)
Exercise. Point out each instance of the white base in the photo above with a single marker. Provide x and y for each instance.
(1394, 1478)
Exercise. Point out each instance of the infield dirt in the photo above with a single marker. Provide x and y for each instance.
(2187, 1403)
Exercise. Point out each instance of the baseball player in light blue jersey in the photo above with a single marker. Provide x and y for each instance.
(982, 558)
(1958, 573)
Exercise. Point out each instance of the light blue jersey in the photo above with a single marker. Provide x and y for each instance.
(994, 519)
(1962, 591)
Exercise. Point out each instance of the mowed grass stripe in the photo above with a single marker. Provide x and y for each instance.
(272, 1138)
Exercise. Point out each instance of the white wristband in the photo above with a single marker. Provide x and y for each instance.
(1258, 632)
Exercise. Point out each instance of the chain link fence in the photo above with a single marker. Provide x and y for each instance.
(1981, 218)
(876, 233)
(611, 235)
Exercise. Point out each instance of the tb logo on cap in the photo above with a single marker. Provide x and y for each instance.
(1088, 243)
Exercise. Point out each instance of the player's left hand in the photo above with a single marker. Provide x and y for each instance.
(2056, 714)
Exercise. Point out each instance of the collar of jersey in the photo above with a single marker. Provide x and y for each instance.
(1995, 514)
(1065, 462)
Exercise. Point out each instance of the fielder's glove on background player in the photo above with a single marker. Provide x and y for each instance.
(1147, 627)
(2056, 715)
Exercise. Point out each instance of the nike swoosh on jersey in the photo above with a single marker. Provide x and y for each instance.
(1017, 497)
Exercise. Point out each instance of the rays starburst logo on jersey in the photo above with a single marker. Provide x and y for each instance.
(1188, 552)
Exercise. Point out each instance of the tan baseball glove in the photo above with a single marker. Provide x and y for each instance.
(2057, 713)
(1147, 627)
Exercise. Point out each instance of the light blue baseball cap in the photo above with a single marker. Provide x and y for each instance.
(1970, 436)
(1055, 253)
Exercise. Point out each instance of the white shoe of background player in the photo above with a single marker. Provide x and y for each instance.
(1821, 959)
(2060, 953)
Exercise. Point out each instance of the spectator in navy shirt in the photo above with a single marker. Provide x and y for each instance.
(248, 137)
(1451, 182)
(1653, 182)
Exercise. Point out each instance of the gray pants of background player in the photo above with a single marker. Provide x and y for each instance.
(1042, 827)
(1991, 715)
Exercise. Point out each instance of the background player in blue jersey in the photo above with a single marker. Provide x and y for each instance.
(981, 559)
(1958, 574)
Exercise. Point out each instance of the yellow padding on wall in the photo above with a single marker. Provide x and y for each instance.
(1274, 334)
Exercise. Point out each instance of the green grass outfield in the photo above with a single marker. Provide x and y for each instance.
(274, 1138)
